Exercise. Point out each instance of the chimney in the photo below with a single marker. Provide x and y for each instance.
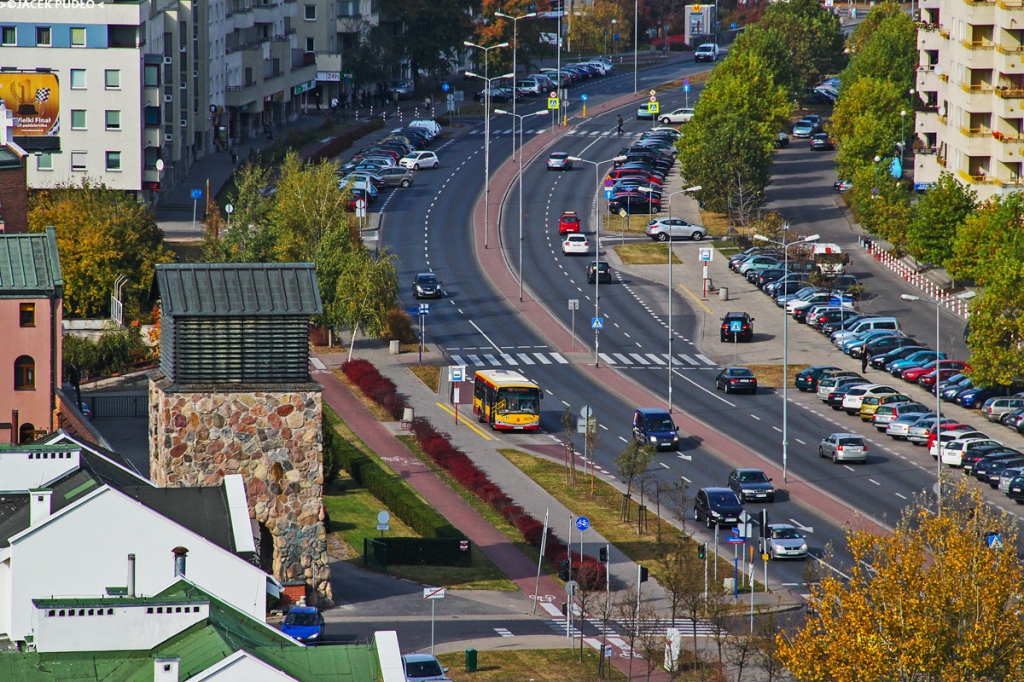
(179, 561)
(131, 576)
(165, 668)
(39, 506)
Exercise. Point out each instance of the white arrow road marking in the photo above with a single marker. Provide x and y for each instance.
(806, 529)
(686, 457)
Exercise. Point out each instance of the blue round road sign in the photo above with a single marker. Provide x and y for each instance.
(583, 97)
(583, 523)
(446, 87)
(616, 37)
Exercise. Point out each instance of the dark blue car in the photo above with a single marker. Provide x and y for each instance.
(304, 623)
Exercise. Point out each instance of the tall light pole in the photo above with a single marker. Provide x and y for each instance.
(636, 44)
(903, 134)
(515, 70)
(785, 244)
(597, 245)
(487, 128)
(938, 393)
(695, 188)
(519, 179)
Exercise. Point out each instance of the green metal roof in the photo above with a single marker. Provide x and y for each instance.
(86, 602)
(204, 644)
(238, 289)
(30, 265)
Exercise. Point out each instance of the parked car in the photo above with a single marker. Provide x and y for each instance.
(781, 140)
(880, 361)
(717, 507)
(634, 201)
(899, 428)
(807, 379)
(805, 128)
(885, 414)
(396, 177)
(783, 541)
(735, 380)
(952, 452)
(920, 432)
(682, 115)
(821, 142)
(869, 404)
(855, 396)
(844, 447)
(304, 623)
(912, 374)
(423, 668)
(421, 159)
(751, 484)
(737, 320)
(828, 386)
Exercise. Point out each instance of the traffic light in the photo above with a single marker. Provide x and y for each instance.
(764, 521)
(643, 574)
(602, 554)
(702, 550)
(563, 570)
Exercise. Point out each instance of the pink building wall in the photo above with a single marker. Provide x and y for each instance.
(34, 406)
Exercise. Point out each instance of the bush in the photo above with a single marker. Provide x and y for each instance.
(399, 327)
(117, 350)
(385, 485)
(375, 386)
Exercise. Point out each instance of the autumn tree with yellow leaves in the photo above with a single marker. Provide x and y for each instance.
(935, 599)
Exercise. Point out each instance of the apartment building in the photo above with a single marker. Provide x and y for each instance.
(969, 96)
(131, 93)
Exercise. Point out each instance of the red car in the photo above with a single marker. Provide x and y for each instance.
(948, 427)
(649, 178)
(928, 380)
(912, 374)
(569, 222)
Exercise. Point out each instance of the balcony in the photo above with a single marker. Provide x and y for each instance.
(980, 12)
(266, 14)
(975, 132)
(1009, 60)
(941, 160)
(944, 32)
(929, 38)
(1012, 5)
(241, 95)
(982, 179)
(1007, 93)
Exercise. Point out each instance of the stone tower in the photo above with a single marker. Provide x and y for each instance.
(233, 395)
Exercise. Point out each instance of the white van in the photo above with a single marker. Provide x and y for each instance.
(531, 86)
(830, 259)
(870, 324)
(432, 128)
(708, 52)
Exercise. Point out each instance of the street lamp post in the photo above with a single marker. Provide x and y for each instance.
(785, 343)
(874, 190)
(938, 393)
(903, 134)
(515, 44)
(519, 179)
(687, 190)
(636, 44)
(597, 245)
(487, 127)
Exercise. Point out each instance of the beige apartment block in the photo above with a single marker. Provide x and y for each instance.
(969, 94)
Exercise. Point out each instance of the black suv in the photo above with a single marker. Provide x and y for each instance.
(717, 507)
(603, 272)
(743, 321)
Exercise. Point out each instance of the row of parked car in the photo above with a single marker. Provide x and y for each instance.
(546, 81)
(640, 171)
(390, 162)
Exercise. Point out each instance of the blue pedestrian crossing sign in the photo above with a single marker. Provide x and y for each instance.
(597, 323)
(552, 103)
(197, 194)
(735, 326)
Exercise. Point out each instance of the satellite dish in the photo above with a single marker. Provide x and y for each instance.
(942, 110)
(159, 164)
(938, 69)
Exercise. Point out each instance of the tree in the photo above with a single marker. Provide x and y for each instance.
(867, 27)
(938, 215)
(770, 44)
(928, 601)
(496, 30)
(994, 228)
(866, 123)
(889, 52)
(997, 326)
(427, 33)
(814, 36)
(307, 206)
(250, 238)
(733, 130)
(102, 234)
(631, 463)
(628, 610)
(366, 289)
(683, 580)
(587, 30)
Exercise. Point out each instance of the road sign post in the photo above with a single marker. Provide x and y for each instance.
(574, 305)
(456, 375)
(735, 327)
(197, 194)
(582, 522)
(433, 594)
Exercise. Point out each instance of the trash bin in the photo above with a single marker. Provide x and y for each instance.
(723, 293)
(395, 347)
(470, 660)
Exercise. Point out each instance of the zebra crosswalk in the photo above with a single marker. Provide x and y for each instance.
(487, 358)
(573, 132)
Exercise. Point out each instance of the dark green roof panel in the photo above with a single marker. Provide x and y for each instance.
(30, 265)
(238, 289)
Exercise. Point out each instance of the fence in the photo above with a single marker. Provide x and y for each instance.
(916, 277)
(136, 405)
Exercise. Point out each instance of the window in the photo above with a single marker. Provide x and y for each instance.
(9, 35)
(113, 120)
(28, 314)
(113, 161)
(78, 119)
(43, 36)
(77, 37)
(151, 156)
(78, 79)
(310, 45)
(112, 79)
(78, 161)
(348, 8)
(152, 117)
(24, 373)
(151, 76)
(309, 13)
(44, 161)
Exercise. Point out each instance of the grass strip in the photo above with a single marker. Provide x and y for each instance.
(645, 254)
(489, 514)
(535, 665)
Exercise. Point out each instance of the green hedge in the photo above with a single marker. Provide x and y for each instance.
(427, 552)
(385, 485)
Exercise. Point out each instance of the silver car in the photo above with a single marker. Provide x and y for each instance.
(664, 229)
(844, 447)
(783, 541)
(396, 177)
(899, 428)
(918, 433)
(559, 161)
(827, 385)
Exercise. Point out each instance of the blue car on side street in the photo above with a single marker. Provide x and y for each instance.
(304, 623)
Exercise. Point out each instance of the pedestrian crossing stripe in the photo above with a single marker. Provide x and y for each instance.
(504, 632)
(642, 360)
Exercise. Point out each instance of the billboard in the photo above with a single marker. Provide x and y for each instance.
(34, 98)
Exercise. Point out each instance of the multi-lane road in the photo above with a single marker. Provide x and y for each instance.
(429, 227)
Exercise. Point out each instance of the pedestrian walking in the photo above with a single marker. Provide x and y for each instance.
(865, 359)
(234, 156)
(618, 124)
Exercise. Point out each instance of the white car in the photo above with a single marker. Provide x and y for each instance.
(855, 396)
(947, 438)
(575, 244)
(678, 116)
(953, 451)
(417, 160)
(783, 541)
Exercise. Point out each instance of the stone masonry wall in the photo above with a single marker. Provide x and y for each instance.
(272, 438)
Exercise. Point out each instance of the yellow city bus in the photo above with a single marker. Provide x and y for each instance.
(506, 400)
